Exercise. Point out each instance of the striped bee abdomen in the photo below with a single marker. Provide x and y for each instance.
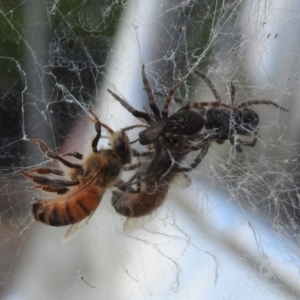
(69, 209)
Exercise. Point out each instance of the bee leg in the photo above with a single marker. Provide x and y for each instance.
(74, 154)
(51, 154)
(97, 137)
(50, 189)
(46, 171)
(50, 185)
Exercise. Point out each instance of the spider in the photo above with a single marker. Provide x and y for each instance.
(166, 131)
(227, 124)
(152, 188)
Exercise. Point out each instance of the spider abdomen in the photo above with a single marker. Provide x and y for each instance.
(185, 122)
(218, 119)
(246, 122)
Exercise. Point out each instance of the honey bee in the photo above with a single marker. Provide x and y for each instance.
(99, 171)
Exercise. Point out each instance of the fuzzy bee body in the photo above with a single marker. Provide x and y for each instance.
(79, 197)
(84, 198)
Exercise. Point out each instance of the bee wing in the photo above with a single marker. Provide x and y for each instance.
(133, 224)
(76, 228)
(181, 180)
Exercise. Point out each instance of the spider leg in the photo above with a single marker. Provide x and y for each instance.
(199, 105)
(196, 161)
(183, 147)
(199, 157)
(254, 102)
(176, 99)
(150, 96)
(247, 143)
(156, 157)
(239, 142)
(148, 172)
(196, 147)
(136, 113)
(209, 84)
(165, 110)
(232, 93)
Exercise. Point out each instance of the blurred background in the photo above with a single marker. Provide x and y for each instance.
(234, 234)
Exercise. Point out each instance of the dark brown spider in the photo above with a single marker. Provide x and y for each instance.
(227, 124)
(152, 188)
(169, 132)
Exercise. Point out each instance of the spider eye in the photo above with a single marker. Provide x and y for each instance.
(142, 138)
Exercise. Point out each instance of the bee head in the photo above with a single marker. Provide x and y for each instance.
(120, 143)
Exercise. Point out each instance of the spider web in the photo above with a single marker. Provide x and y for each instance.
(234, 234)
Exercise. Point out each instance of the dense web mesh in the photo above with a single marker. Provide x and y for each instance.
(234, 234)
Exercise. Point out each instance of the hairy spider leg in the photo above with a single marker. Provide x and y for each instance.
(199, 105)
(197, 160)
(209, 84)
(150, 95)
(232, 93)
(136, 113)
(165, 110)
(255, 102)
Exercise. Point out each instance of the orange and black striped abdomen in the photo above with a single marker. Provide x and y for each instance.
(68, 209)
